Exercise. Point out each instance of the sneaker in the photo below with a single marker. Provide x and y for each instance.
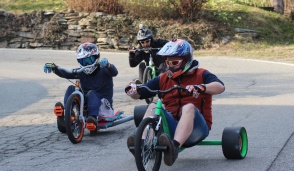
(171, 154)
(138, 82)
(92, 123)
(131, 144)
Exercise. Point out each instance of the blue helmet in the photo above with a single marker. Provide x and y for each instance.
(176, 48)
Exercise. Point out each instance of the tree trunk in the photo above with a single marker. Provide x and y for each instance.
(278, 6)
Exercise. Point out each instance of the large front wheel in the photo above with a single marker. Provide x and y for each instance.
(147, 158)
(146, 77)
(75, 126)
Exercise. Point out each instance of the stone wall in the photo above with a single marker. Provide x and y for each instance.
(68, 29)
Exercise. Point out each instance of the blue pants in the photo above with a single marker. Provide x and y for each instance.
(200, 130)
(92, 98)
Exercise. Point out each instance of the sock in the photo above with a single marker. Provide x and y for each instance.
(176, 143)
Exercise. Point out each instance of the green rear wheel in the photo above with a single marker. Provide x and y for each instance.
(235, 142)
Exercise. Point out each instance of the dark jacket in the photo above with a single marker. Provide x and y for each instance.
(139, 56)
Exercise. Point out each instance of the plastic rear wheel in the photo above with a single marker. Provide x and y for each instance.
(139, 112)
(147, 158)
(61, 124)
(74, 125)
(235, 142)
(146, 77)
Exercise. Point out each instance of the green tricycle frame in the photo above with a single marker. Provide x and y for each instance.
(150, 70)
(148, 153)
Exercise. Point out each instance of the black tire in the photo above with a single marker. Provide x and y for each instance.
(146, 156)
(74, 127)
(235, 142)
(61, 124)
(139, 112)
(142, 67)
(93, 133)
(146, 77)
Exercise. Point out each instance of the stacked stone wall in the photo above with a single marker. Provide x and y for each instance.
(68, 29)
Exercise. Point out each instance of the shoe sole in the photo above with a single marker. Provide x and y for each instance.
(168, 158)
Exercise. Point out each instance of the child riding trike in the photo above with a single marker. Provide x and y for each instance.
(88, 104)
(182, 117)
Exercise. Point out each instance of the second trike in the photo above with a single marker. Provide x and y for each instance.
(71, 119)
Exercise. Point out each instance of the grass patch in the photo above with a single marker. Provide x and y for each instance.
(31, 5)
(274, 29)
(273, 53)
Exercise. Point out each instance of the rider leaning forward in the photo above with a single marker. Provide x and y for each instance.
(145, 40)
(189, 117)
(93, 88)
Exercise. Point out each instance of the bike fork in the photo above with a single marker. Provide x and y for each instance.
(158, 124)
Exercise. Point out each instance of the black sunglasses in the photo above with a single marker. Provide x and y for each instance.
(146, 41)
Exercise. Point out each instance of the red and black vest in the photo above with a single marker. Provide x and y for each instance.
(174, 101)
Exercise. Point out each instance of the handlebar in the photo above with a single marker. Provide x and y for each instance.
(158, 92)
(74, 71)
(146, 50)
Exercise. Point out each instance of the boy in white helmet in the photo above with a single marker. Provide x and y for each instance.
(96, 81)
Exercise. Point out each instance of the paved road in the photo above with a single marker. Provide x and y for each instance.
(259, 96)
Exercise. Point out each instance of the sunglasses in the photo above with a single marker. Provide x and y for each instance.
(87, 61)
(146, 41)
(174, 62)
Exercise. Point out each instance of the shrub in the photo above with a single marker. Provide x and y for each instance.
(107, 6)
(145, 9)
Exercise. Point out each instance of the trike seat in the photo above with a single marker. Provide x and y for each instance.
(106, 121)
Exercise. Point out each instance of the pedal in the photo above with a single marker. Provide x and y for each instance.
(160, 148)
(91, 126)
(58, 110)
(132, 148)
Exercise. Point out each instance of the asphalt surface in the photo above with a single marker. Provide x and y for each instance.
(259, 96)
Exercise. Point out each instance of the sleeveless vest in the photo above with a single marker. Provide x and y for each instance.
(174, 101)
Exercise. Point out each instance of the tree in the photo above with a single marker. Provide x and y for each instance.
(278, 6)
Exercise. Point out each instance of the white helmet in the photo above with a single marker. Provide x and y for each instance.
(87, 54)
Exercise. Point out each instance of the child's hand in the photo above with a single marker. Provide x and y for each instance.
(132, 49)
(104, 62)
(49, 67)
(131, 89)
(195, 90)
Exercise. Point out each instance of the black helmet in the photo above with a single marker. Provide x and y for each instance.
(144, 33)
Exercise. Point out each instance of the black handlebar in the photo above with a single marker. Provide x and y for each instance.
(74, 71)
(159, 92)
(147, 49)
